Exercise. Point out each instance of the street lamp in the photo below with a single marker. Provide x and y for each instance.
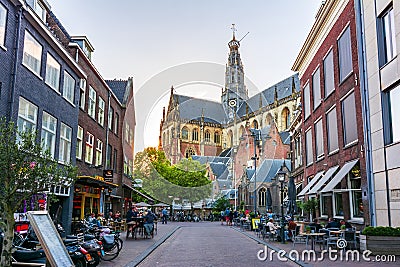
(256, 134)
(281, 178)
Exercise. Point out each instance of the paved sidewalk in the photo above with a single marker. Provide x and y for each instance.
(134, 249)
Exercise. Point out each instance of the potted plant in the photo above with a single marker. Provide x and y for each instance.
(308, 229)
(381, 240)
(343, 227)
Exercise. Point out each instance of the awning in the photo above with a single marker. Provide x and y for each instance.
(323, 180)
(310, 183)
(95, 181)
(339, 176)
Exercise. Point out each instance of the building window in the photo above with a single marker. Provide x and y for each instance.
(345, 60)
(116, 123)
(131, 137)
(354, 182)
(309, 149)
(3, 20)
(69, 87)
(349, 119)
(89, 148)
(255, 124)
(331, 128)
(110, 118)
(338, 207)
(79, 142)
(49, 128)
(261, 197)
(185, 133)
(387, 37)
(125, 165)
(325, 201)
(319, 139)
(108, 157)
(207, 136)
(306, 94)
(190, 152)
(392, 122)
(99, 153)
(329, 80)
(298, 161)
(100, 114)
(65, 143)
(82, 93)
(285, 118)
(115, 160)
(92, 103)
(52, 73)
(217, 137)
(27, 116)
(195, 135)
(32, 53)
(316, 85)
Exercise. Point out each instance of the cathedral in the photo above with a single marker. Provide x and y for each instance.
(210, 131)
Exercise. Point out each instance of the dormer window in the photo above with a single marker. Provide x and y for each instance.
(39, 8)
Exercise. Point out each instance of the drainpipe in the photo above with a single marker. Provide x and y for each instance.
(14, 74)
(107, 127)
(362, 63)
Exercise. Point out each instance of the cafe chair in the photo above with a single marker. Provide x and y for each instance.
(350, 236)
(332, 238)
(297, 238)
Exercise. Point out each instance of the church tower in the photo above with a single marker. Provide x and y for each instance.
(234, 94)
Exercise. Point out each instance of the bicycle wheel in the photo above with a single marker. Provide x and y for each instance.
(121, 243)
(111, 252)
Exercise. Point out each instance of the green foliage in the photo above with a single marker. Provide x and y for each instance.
(26, 170)
(308, 206)
(381, 231)
(163, 181)
(221, 204)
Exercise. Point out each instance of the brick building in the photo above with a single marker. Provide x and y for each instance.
(39, 83)
(332, 128)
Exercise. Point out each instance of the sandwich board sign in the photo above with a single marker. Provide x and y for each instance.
(52, 244)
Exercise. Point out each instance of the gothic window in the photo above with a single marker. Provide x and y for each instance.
(255, 124)
(195, 135)
(207, 136)
(242, 131)
(189, 152)
(163, 140)
(285, 118)
(185, 133)
(172, 133)
(261, 196)
(217, 137)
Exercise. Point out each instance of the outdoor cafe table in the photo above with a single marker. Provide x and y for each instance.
(139, 223)
(312, 237)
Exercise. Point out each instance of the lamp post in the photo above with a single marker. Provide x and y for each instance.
(256, 134)
(281, 178)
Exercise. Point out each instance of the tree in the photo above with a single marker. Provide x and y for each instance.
(161, 180)
(221, 204)
(26, 171)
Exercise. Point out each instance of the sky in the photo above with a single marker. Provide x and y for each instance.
(184, 43)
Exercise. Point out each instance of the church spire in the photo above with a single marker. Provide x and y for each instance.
(234, 93)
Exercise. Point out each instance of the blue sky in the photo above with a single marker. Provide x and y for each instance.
(143, 38)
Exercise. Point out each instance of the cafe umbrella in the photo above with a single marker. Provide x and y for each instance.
(268, 199)
(291, 206)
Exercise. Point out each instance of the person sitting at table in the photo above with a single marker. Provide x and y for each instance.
(149, 222)
(130, 215)
(332, 224)
(117, 216)
(315, 225)
(272, 227)
(346, 224)
(291, 226)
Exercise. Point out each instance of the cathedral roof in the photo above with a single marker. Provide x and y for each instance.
(268, 170)
(210, 159)
(218, 169)
(282, 89)
(191, 108)
(285, 136)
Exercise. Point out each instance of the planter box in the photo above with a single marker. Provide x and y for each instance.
(382, 245)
